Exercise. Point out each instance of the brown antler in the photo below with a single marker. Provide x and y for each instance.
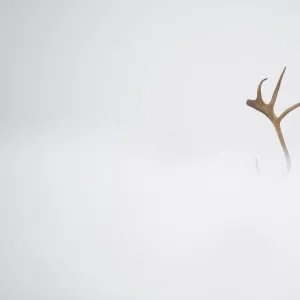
(268, 110)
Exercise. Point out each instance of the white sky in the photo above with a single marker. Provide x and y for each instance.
(127, 150)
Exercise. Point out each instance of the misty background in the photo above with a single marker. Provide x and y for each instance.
(127, 150)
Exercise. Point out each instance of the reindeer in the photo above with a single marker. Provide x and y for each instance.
(268, 110)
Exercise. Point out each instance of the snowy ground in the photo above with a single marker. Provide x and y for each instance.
(83, 219)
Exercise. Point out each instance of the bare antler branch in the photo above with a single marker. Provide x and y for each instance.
(268, 110)
(288, 111)
(275, 93)
(259, 97)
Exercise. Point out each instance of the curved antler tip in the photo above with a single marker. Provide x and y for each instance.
(263, 80)
(260, 84)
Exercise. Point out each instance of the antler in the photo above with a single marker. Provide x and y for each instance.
(268, 110)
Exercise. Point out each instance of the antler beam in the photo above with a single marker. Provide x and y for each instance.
(268, 110)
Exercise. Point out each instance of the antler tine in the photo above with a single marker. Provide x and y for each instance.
(288, 111)
(259, 96)
(275, 93)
